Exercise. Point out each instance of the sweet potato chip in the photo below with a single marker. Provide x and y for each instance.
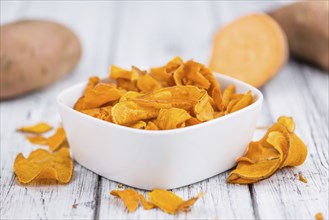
(165, 74)
(192, 121)
(146, 204)
(279, 147)
(103, 113)
(177, 117)
(130, 96)
(37, 140)
(174, 64)
(147, 83)
(41, 164)
(151, 126)
(186, 205)
(127, 85)
(138, 125)
(39, 128)
(227, 94)
(169, 202)
(101, 94)
(203, 109)
(129, 112)
(319, 216)
(119, 73)
(55, 141)
(189, 74)
(243, 102)
(129, 198)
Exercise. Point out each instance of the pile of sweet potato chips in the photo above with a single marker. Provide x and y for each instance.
(165, 200)
(177, 95)
(42, 164)
(280, 147)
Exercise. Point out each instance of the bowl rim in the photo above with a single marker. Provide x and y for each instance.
(258, 101)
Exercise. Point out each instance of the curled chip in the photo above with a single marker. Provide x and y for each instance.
(39, 128)
(279, 148)
(186, 205)
(189, 74)
(203, 109)
(37, 140)
(103, 113)
(146, 204)
(100, 95)
(147, 83)
(178, 117)
(227, 96)
(129, 198)
(169, 202)
(57, 140)
(151, 126)
(41, 164)
(129, 112)
(119, 73)
(137, 97)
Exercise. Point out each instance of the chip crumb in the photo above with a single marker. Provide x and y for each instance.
(319, 216)
(120, 185)
(74, 206)
(302, 178)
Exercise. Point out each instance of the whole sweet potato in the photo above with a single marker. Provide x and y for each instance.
(306, 25)
(35, 53)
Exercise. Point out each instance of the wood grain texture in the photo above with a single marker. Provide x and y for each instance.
(148, 34)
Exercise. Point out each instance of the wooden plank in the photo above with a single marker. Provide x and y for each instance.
(160, 31)
(54, 201)
(283, 196)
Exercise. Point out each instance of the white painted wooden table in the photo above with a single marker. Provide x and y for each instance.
(149, 34)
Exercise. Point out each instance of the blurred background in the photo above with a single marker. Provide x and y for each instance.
(140, 33)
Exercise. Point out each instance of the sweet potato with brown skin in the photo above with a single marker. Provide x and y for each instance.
(34, 54)
(306, 25)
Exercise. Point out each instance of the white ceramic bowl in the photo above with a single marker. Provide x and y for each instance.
(159, 159)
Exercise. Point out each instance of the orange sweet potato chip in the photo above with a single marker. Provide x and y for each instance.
(169, 202)
(146, 204)
(127, 84)
(103, 113)
(55, 141)
(138, 125)
(203, 109)
(279, 147)
(129, 112)
(189, 74)
(165, 74)
(186, 205)
(37, 140)
(243, 102)
(39, 128)
(147, 83)
(100, 95)
(119, 73)
(151, 126)
(177, 117)
(41, 164)
(129, 198)
(227, 96)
